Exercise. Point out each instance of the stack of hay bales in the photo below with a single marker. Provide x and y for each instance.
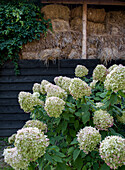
(76, 19)
(96, 19)
(59, 16)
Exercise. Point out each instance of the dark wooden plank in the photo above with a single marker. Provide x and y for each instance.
(7, 132)
(8, 124)
(38, 71)
(11, 94)
(31, 64)
(24, 79)
(9, 102)
(17, 116)
(16, 86)
(73, 63)
(10, 109)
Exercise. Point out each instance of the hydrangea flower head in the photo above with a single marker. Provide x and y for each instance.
(112, 67)
(42, 86)
(11, 139)
(36, 123)
(102, 120)
(54, 106)
(13, 157)
(81, 71)
(63, 82)
(36, 88)
(115, 80)
(88, 139)
(56, 91)
(27, 101)
(112, 151)
(31, 143)
(100, 73)
(79, 88)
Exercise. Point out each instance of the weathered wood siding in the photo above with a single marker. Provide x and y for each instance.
(31, 71)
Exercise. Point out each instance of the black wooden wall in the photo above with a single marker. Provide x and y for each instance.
(31, 71)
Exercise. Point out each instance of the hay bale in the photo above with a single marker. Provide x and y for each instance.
(29, 55)
(50, 54)
(74, 54)
(76, 24)
(95, 28)
(60, 25)
(96, 15)
(76, 12)
(56, 12)
(108, 54)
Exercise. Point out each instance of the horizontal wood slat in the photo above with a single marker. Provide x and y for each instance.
(11, 109)
(8, 124)
(7, 132)
(13, 116)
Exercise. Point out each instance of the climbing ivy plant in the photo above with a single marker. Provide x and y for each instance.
(20, 22)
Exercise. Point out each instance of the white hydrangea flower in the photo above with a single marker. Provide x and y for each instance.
(27, 101)
(81, 71)
(36, 88)
(100, 73)
(112, 67)
(99, 104)
(56, 91)
(79, 88)
(36, 94)
(115, 80)
(93, 84)
(13, 157)
(112, 151)
(54, 106)
(11, 139)
(88, 139)
(31, 143)
(102, 120)
(36, 123)
(42, 86)
(63, 82)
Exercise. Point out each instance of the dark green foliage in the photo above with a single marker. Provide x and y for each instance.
(20, 22)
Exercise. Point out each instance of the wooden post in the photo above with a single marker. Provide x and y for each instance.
(84, 22)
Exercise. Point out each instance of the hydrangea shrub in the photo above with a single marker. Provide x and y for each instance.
(76, 125)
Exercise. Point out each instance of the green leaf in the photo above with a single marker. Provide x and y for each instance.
(85, 117)
(113, 98)
(74, 141)
(76, 153)
(95, 166)
(76, 124)
(85, 168)
(113, 132)
(78, 114)
(104, 167)
(62, 166)
(70, 150)
(78, 163)
(60, 154)
(103, 95)
(72, 132)
(57, 158)
(64, 126)
(48, 157)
